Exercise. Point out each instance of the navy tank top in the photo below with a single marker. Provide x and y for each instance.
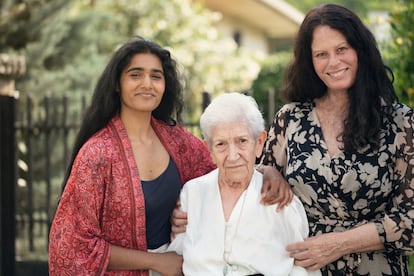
(160, 196)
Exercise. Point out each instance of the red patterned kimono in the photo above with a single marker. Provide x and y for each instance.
(103, 202)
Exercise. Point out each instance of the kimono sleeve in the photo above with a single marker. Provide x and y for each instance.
(76, 243)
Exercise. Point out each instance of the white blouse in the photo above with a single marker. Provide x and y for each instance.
(253, 240)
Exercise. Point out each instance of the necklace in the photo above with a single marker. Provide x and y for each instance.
(228, 243)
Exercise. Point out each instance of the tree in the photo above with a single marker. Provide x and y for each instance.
(74, 45)
(269, 81)
(400, 55)
(21, 21)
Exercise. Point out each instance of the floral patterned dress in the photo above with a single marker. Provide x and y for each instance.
(346, 190)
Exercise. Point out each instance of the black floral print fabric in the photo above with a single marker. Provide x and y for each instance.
(346, 190)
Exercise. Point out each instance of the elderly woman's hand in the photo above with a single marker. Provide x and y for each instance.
(317, 252)
(275, 188)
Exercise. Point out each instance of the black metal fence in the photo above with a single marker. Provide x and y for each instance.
(42, 147)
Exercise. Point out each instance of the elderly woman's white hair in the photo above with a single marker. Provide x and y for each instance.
(232, 107)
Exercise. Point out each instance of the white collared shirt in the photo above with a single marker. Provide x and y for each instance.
(255, 238)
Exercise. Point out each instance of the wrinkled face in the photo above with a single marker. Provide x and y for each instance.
(334, 60)
(234, 151)
(142, 84)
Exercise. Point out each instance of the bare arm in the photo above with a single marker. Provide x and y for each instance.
(168, 263)
(316, 252)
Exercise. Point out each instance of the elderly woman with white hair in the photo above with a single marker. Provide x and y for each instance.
(229, 232)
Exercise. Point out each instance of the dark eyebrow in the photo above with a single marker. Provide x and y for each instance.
(142, 69)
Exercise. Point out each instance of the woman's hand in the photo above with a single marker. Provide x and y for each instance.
(275, 188)
(178, 221)
(317, 252)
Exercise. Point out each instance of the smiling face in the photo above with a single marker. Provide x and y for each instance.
(234, 151)
(142, 84)
(334, 60)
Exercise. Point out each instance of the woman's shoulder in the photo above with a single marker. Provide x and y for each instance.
(295, 211)
(403, 109)
(294, 111)
(398, 113)
(100, 144)
(203, 182)
(295, 107)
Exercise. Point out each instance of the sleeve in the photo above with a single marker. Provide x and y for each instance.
(396, 227)
(297, 219)
(299, 230)
(275, 149)
(76, 243)
(177, 244)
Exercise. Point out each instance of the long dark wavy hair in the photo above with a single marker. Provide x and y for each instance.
(106, 102)
(373, 81)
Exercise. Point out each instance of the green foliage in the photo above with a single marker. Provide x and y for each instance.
(270, 79)
(21, 21)
(411, 263)
(400, 54)
(72, 51)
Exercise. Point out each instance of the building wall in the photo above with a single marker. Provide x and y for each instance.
(250, 38)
